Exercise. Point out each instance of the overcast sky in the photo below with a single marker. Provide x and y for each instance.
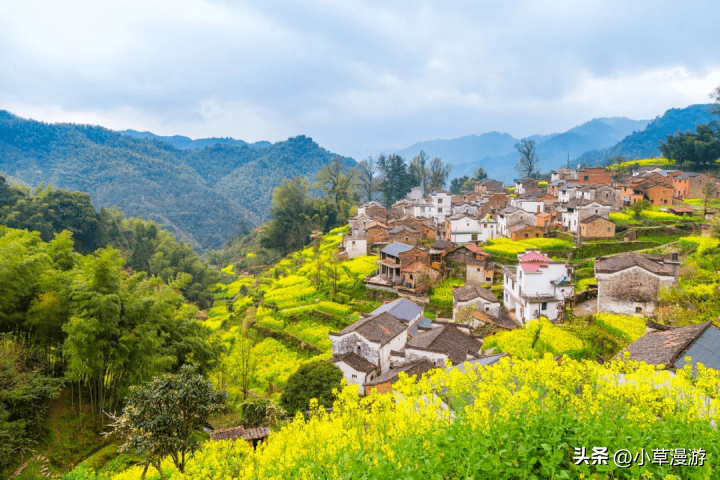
(358, 77)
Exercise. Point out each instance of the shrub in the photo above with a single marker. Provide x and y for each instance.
(315, 380)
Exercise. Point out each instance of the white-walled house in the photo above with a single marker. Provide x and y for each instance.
(442, 204)
(423, 209)
(511, 216)
(355, 246)
(629, 283)
(528, 203)
(578, 209)
(480, 298)
(536, 287)
(356, 369)
(371, 338)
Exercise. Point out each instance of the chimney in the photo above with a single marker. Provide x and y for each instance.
(674, 257)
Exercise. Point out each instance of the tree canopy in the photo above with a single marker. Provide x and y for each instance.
(312, 380)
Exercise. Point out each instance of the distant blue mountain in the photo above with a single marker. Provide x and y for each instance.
(496, 153)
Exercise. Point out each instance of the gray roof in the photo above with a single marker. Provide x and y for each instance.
(667, 347)
(593, 218)
(652, 263)
(471, 292)
(705, 350)
(448, 340)
(508, 209)
(417, 367)
(377, 328)
(396, 248)
(401, 308)
(401, 228)
(687, 175)
(356, 361)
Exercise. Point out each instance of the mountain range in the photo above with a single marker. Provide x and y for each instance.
(206, 190)
(591, 143)
(202, 190)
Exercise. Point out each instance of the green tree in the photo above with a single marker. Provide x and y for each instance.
(162, 417)
(395, 181)
(479, 174)
(638, 207)
(312, 380)
(458, 185)
(527, 166)
(419, 171)
(439, 172)
(337, 182)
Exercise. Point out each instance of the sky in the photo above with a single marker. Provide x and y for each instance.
(358, 77)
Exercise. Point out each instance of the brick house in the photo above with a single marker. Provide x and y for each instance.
(594, 175)
(690, 184)
(404, 234)
(596, 226)
(523, 232)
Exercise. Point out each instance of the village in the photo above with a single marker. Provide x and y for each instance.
(428, 237)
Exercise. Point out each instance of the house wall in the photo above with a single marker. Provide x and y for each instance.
(353, 342)
(628, 290)
(660, 194)
(492, 308)
(412, 354)
(600, 228)
(529, 232)
(381, 388)
(696, 185)
(405, 237)
(533, 310)
(396, 343)
(478, 275)
(594, 175)
(353, 377)
(356, 247)
(414, 255)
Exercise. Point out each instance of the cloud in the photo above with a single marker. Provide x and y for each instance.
(358, 77)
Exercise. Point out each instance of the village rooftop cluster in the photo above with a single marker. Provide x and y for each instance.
(421, 238)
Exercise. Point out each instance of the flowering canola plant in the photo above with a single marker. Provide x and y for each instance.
(515, 419)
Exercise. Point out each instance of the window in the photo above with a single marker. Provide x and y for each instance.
(585, 178)
(543, 306)
(358, 349)
(638, 309)
(354, 376)
(439, 209)
(477, 269)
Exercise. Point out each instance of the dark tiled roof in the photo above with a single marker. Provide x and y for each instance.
(356, 361)
(401, 308)
(485, 360)
(440, 244)
(240, 432)
(378, 328)
(664, 347)
(396, 248)
(402, 228)
(583, 202)
(417, 367)
(593, 218)
(448, 340)
(471, 292)
(652, 263)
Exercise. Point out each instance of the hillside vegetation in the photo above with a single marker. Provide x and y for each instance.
(204, 195)
(515, 420)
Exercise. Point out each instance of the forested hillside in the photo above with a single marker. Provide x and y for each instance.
(645, 143)
(204, 191)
